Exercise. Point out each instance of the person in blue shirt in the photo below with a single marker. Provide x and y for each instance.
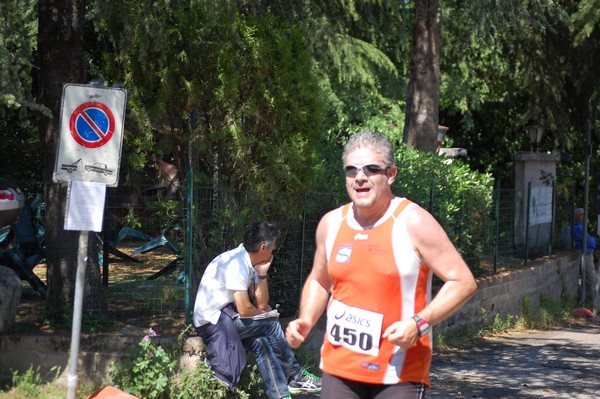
(590, 267)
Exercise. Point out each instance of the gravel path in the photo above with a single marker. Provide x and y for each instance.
(559, 363)
(535, 364)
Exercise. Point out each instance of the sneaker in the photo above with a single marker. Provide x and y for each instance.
(307, 383)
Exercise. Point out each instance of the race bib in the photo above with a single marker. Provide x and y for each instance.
(356, 329)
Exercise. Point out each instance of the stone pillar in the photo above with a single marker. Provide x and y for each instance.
(10, 296)
(538, 171)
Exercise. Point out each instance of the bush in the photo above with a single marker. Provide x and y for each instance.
(550, 313)
(32, 384)
(199, 383)
(459, 198)
(151, 373)
(148, 372)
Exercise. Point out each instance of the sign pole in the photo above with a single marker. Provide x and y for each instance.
(87, 157)
(77, 314)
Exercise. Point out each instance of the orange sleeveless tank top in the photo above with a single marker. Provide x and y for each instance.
(377, 280)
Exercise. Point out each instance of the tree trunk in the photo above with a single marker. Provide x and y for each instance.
(422, 111)
(61, 60)
(10, 295)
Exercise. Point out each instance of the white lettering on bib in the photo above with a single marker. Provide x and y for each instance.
(356, 329)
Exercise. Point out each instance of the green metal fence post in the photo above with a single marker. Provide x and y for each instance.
(527, 222)
(553, 221)
(188, 257)
(497, 220)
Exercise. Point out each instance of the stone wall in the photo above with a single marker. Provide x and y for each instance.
(97, 351)
(501, 294)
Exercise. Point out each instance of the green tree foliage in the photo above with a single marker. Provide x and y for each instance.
(459, 198)
(18, 28)
(238, 90)
(508, 64)
(586, 19)
(360, 56)
(482, 92)
(362, 48)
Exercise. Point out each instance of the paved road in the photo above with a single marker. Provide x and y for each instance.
(561, 363)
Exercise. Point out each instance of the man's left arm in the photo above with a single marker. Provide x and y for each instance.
(437, 251)
(245, 292)
(262, 294)
(262, 288)
(591, 242)
(432, 245)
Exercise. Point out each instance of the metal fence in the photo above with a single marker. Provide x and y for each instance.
(181, 233)
(157, 240)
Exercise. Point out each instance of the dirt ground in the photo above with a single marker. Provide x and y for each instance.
(134, 302)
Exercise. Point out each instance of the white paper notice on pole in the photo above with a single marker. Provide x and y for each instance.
(85, 206)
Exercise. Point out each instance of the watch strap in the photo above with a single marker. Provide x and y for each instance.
(423, 327)
(263, 277)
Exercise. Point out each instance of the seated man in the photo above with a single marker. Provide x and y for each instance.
(234, 292)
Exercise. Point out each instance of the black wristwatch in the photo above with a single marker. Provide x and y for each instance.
(422, 326)
(263, 277)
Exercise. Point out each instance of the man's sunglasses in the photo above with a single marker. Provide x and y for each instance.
(368, 170)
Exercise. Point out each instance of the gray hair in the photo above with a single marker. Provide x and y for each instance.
(374, 140)
(260, 233)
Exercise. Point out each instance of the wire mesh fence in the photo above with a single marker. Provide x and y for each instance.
(156, 243)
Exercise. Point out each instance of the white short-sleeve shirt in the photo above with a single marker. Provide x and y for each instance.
(229, 272)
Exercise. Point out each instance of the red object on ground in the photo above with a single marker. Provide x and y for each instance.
(583, 312)
(111, 393)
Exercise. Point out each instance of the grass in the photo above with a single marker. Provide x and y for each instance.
(31, 384)
(551, 313)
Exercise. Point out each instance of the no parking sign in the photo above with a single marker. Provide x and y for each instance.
(91, 134)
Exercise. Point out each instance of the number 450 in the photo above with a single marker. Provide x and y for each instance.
(349, 336)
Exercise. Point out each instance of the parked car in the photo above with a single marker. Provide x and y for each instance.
(99, 168)
(11, 202)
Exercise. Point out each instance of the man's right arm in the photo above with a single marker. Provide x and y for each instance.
(315, 293)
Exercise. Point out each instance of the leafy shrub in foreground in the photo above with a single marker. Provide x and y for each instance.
(148, 372)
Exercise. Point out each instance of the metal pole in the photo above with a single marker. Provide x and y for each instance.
(497, 217)
(586, 190)
(527, 222)
(303, 240)
(553, 222)
(105, 253)
(190, 246)
(189, 225)
(77, 312)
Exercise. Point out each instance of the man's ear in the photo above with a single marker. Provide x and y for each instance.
(392, 174)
